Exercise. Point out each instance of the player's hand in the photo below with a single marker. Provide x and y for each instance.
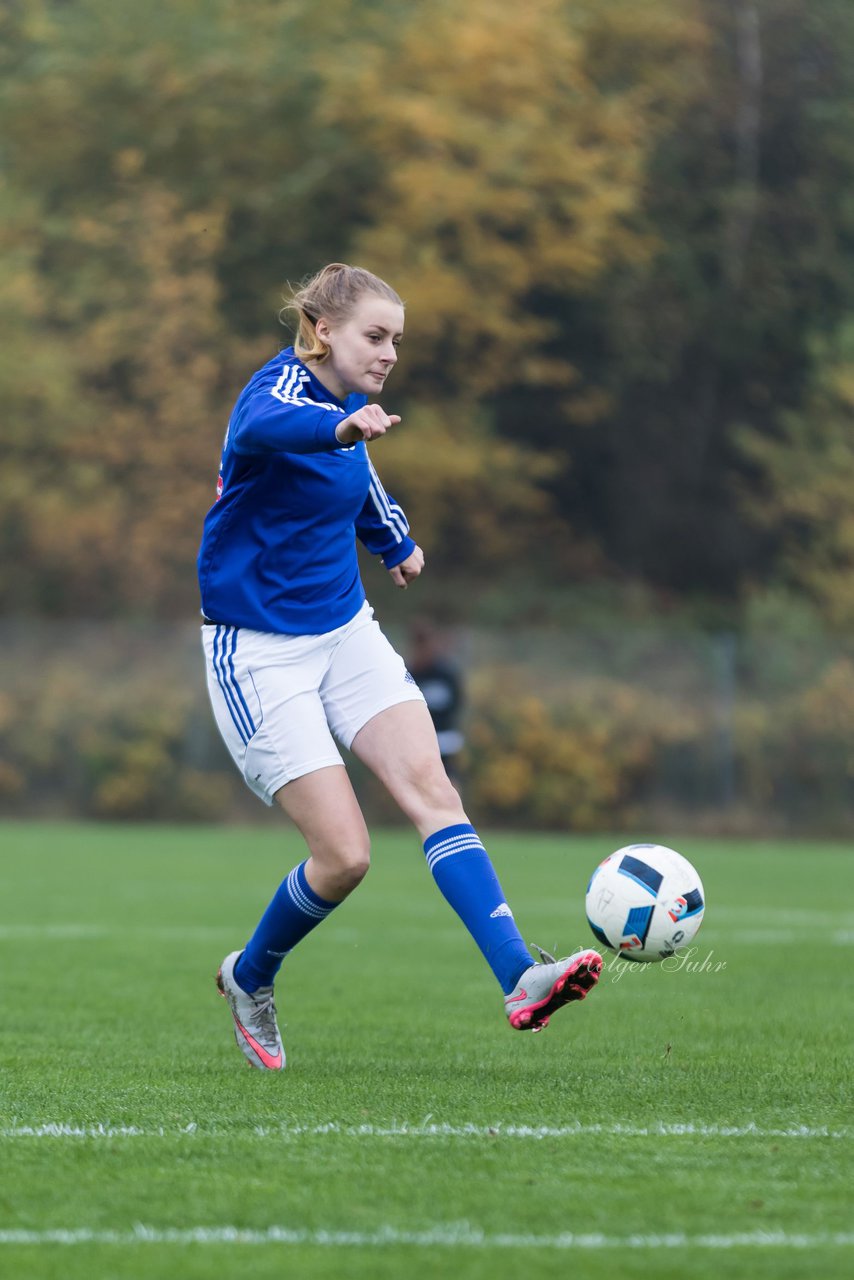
(365, 424)
(408, 570)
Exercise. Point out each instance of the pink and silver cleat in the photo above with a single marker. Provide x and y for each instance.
(255, 1028)
(548, 986)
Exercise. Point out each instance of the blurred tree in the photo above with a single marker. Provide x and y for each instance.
(108, 492)
(807, 473)
(748, 197)
(38, 391)
(619, 229)
(175, 161)
(124, 135)
(508, 173)
(507, 169)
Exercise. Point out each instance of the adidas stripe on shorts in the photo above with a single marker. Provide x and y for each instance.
(280, 702)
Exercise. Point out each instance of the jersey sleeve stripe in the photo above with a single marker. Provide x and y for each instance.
(284, 387)
(289, 387)
(390, 513)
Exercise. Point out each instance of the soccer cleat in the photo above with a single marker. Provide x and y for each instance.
(548, 986)
(255, 1027)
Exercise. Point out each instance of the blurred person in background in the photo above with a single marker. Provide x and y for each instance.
(296, 662)
(440, 680)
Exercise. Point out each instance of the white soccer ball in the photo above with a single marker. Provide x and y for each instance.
(645, 902)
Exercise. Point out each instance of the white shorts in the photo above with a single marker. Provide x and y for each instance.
(278, 700)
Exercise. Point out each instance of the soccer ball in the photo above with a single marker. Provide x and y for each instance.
(645, 901)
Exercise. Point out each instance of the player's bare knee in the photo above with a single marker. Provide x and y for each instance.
(434, 793)
(358, 866)
(349, 867)
(439, 788)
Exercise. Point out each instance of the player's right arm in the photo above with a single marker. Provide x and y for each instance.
(266, 420)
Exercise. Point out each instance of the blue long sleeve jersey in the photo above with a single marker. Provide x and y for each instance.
(278, 550)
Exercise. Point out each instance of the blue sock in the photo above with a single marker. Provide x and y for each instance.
(464, 874)
(293, 912)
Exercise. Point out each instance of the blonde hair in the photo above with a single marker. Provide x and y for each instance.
(333, 294)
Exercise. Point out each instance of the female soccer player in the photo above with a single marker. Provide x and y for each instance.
(295, 659)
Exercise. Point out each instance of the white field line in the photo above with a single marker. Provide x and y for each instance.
(453, 1236)
(423, 1130)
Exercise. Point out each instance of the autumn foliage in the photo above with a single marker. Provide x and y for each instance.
(619, 230)
(623, 234)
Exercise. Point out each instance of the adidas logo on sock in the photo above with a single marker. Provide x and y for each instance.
(503, 910)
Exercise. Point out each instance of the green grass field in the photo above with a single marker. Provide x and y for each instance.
(693, 1123)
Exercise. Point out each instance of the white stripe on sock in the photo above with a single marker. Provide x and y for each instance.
(454, 844)
(303, 903)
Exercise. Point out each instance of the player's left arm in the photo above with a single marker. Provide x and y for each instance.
(384, 529)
